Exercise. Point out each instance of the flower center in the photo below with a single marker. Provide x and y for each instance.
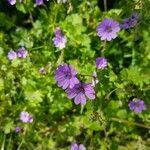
(68, 75)
(137, 105)
(108, 29)
(81, 89)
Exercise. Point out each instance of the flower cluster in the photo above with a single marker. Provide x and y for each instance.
(77, 147)
(59, 40)
(37, 2)
(21, 53)
(66, 77)
(131, 21)
(25, 117)
(137, 105)
(107, 29)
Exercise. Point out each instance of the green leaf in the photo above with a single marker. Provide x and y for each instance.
(34, 97)
(21, 7)
(122, 114)
(1, 84)
(8, 127)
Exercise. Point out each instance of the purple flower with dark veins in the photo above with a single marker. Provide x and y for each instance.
(77, 147)
(137, 105)
(80, 92)
(108, 29)
(59, 40)
(66, 76)
(26, 117)
(12, 55)
(12, 2)
(17, 129)
(131, 21)
(101, 63)
(22, 52)
(39, 2)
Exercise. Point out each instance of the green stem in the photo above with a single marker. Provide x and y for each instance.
(103, 48)
(130, 123)
(82, 107)
(31, 18)
(20, 144)
(133, 57)
(23, 137)
(55, 16)
(9, 143)
(34, 48)
(3, 144)
(108, 95)
(61, 57)
(105, 5)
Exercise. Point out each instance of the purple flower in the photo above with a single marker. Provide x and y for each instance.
(80, 92)
(101, 63)
(39, 2)
(12, 2)
(128, 23)
(131, 21)
(107, 29)
(137, 105)
(22, 52)
(12, 55)
(135, 15)
(17, 129)
(94, 79)
(42, 70)
(26, 117)
(77, 147)
(59, 40)
(66, 76)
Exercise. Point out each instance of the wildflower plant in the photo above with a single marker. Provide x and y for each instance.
(74, 71)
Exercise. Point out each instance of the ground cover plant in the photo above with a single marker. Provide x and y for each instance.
(74, 75)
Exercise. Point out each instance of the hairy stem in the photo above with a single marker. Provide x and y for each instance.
(130, 123)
